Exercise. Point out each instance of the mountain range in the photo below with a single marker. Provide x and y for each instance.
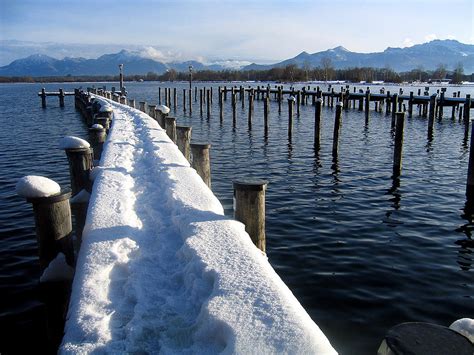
(427, 55)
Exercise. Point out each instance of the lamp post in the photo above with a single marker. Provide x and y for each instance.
(121, 78)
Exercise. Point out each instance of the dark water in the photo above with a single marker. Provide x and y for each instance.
(360, 251)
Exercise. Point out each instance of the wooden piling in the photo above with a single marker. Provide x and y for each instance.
(97, 137)
(61, 98)
(200, 101)
(221, 105)
(53, 227)
(394, 109)
(131, 103)
(151, 110)
(43, 98)
(80, 163)
(184, 100)
(201, 161)
(250, 208)
(234, 104)
(337, 128)
(183, 140)
(367, 106)
(291, 104)
(470, 170)
(410, 105)
(142, 105)
(170, 126)
(190, 101)
(397, 152)
(250, 110)
(208, 103)
(159, 96)
(298, 103)
(266, 106)
(317, 123)
(431, 116)
(175, 98)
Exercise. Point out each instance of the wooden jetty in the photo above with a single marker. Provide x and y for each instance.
(60, 94)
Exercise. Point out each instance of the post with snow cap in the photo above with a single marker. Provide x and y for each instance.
(183, 140)
(170, 124)
(80, 158)
(337, 128)
(201, 161)
(52, 213)
(97, 136)
(291, 104)
(397, 151)
(249, 199)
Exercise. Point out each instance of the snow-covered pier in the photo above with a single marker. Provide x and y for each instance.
(162, 270)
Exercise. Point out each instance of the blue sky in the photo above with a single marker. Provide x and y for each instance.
(261, 31)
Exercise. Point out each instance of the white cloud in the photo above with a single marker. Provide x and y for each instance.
(450, 37)
(408, 42)
(430, 37)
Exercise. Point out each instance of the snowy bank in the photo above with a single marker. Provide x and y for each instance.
(162, 270)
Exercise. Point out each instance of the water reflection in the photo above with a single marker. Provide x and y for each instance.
(466, 245)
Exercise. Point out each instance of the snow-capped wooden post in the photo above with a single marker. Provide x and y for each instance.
(142, 106)
(201, 161)
(337, 128)
(131, 103)
(80, 158)
(61, 98)
(317, 123)
(397, 151)
(43, 98)
(291, 105)
(52, 214)
(170, 124)
(183, 140)
(249, 197)
(97, 138)
(160, 115)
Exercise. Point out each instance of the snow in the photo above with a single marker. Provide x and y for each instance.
(464, 326)
(164, 109)
(97, 126)
(162, 270)
(105, 108)
(32, 186)
(71, 142)
(57, 270)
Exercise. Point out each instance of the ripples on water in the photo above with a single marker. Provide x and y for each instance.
(360, 251)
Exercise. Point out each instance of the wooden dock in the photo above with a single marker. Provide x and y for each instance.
(60, 94)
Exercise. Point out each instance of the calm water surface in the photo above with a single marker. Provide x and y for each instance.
(360, 251)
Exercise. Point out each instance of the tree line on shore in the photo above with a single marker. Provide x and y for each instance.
(288, 73)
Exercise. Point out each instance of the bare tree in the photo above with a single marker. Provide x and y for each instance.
(328, 68)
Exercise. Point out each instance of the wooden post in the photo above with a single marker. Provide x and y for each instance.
(151, 110)
(298, 103)
(470, 170)
(201, 161)
(337, 128)
(61, 98)
(170, 124)
(410, 105)
(317, 123)
(250, 109)
(234, 104)
(159, 96)
(266, 105)
(431, 116)
(191, 100)
(195, 94)
(97, 136)
(394, 108)
(183, 140)
(221, 105)
(208, 102)
(169, 97)
(291, 104)
(249, 198)
(280, 98)
(80, 163)
(397, 152)
(142, 106)
(367, 106)
(200, 101)
(184, 100)
(166, 97)
(441, 105)
(387, 103)
(175, 98)
(43, 98)
(467, 108)
(225, 93)
(211, 94)
(53, 228)
(131, 103)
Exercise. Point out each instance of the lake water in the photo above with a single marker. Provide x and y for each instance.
(360, 251)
